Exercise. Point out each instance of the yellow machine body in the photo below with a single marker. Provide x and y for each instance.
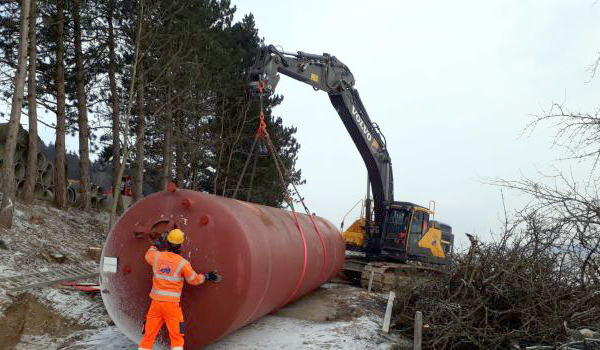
(432, 240)
(355, 234)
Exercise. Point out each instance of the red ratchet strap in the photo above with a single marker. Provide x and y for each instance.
(322, 274)
(303, 274)
(316, 227)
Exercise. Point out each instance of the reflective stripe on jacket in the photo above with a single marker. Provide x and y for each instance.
(169, 270)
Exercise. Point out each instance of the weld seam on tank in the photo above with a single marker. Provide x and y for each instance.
(312, 220)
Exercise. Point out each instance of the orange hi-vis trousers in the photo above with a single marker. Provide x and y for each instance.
(163, 312)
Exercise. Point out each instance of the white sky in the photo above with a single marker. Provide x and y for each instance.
(452, 84)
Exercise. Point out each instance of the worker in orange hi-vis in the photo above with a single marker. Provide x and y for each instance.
(169, 269)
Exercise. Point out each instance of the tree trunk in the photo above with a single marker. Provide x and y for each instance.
(140, 129)
(84, 152)
(32, 147)
(167, 150)
(179, 153)
(7, 208)
(116, 200)
(238, 135)
(114, 97)
(221, 151)
(60, 179)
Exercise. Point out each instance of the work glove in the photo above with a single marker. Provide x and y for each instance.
(160, 244)
(213, 276)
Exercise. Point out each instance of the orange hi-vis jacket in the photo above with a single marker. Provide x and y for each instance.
(169, 270)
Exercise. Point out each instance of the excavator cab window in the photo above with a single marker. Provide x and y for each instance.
(398, 216)
(418, 227)
(418, 224)
(397, 222)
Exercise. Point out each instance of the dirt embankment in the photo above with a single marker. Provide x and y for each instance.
(27, 316)
(336, 303)
(38, 232)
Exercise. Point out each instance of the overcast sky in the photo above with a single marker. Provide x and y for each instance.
(452, 84)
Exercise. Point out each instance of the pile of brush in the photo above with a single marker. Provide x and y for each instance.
(526, 288)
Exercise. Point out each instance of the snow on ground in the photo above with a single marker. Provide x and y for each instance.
(272, 332)
(41, 229)
(275, 332)
(268, 333)
(304, 324)
(57, 317)
(87, 309)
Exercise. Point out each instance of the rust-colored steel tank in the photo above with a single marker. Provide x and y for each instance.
(264, 259)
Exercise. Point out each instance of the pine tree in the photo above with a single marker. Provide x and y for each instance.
(31, 169)
(114, 96)
(7, 206)
(84, 159)
(60, 179)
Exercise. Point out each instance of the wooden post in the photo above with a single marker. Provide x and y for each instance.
(388, 312)
(370, 281)
(418, 335)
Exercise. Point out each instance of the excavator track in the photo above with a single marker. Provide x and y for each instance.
(385, 276)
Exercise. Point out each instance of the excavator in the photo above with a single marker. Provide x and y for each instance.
(394, 238)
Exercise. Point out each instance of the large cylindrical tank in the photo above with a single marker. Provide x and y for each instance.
(259, 251)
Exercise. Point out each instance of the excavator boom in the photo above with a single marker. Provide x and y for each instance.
(325, 72)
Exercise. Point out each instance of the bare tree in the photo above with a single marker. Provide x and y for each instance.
(114, 95)
(167, 147)
(564, 202)
(126, 148)
(140, 129)
(84, 152)
(31, 170)
(179, 151)
(8, 169)
(60, 176)
(578, 133)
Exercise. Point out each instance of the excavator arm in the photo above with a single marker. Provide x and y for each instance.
(327, 73)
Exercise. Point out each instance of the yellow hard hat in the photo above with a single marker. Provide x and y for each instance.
(176, 236)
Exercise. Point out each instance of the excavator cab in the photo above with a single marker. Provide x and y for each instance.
(411, 233)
